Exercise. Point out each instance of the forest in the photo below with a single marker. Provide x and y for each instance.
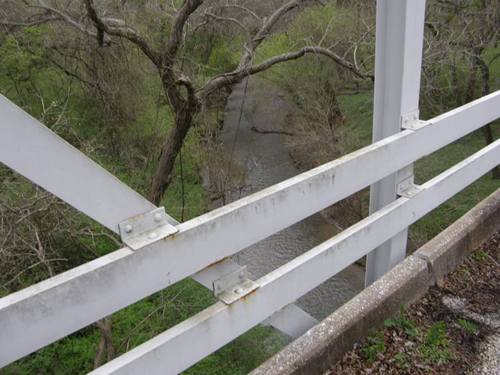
(146, 87)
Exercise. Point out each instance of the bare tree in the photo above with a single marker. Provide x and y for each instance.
(186, 98)
(459, 35)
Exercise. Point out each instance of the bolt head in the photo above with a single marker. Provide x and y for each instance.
(158, 217)
(238, 290)
(128, 228)
(152, 235)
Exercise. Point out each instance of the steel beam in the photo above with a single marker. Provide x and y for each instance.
(54, 308)
(291, 320)
(398, 59)
(185, 344)
(34, 151)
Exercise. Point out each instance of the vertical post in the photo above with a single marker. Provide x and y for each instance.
(399, 43)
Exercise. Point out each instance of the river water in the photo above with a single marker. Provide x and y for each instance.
(266, 160)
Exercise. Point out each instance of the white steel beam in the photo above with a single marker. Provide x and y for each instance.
(398, 59)
(186, 343)
(34, 151)
(291, 320)
(54, 308)
(30, 148)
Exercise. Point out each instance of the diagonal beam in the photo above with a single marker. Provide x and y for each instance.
(34, 151)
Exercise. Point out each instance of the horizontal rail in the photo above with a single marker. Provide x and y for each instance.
(54, 308)
(33, 150)
(292, 320)
(186, 343)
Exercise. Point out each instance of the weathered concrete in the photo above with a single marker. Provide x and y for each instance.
(324, 344)
(448, 249)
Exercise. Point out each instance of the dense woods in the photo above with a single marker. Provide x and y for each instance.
(141, 85)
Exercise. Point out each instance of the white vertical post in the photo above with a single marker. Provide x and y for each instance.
(399, 43)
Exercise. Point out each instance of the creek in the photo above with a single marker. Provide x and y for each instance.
(264, 156)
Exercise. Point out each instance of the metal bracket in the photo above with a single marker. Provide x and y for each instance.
(406, 182)
(143, 230)
(234, 286)
(410, 121)
(407, 188)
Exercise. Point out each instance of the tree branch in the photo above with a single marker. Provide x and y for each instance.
(227, 19)
(65, 17)
(234, 77)
(180, 20)
(28, 23)
(124, 31)
(309, 50)
(264, 31)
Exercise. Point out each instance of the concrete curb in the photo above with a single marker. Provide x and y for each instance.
(449, 248)
(326, 343)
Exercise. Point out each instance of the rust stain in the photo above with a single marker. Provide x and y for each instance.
(217, 262)
(247, 296)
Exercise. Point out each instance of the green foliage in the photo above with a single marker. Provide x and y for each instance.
(402, 360)
(338, 22)
(469, 327)
(374, 347)
(71, 355)
(435, 348)
(275, 45)
(224, 56)
(479, 256)
(401, 322)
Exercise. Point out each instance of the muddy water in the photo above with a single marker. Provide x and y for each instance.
(266, 161)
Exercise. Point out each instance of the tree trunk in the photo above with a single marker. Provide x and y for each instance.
(105, 350)
(488, 133)
(171, 148)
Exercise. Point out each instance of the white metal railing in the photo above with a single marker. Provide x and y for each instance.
(45, 312)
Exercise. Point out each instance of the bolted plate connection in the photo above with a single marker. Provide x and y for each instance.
(407, 188)
(142, 230)
(410, 121)
(234, 286)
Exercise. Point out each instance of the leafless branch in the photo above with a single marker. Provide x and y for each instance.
(227, 19)
(236, 76)
(188, 8)
(124, 31)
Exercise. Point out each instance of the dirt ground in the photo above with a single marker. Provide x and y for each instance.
(446, 332)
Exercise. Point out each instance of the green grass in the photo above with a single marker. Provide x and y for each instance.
(436, 347)
(403, 323)
(375, 346)
(467, 326)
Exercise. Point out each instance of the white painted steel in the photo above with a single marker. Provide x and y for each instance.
(291, 320)
(52, 309)
(186, 343)
(398, 59)
(34, 151)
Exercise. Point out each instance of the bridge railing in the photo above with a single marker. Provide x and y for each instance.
(161, 252)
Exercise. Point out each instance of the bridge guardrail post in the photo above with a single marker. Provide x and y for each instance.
(399, 43)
